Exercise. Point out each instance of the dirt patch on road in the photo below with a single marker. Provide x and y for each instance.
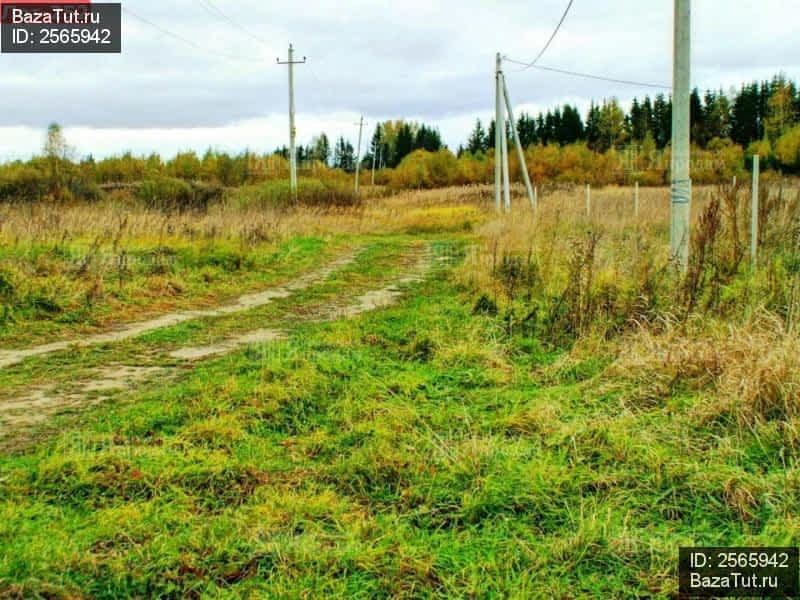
(259, 336)
(38, 405)
(133, 330)
(19, 416)
(418, 264)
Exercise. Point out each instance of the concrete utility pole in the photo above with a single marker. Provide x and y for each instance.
(498, 117)
(681, 176)
(358, 152)
(523, 166)
(754, 213)
(374, 156)
(506, 179)
(292, 131)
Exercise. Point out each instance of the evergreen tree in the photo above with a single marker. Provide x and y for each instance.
(555, 127)
(764, 94)
(490, 135)
(571, 127)
(593, 126)
(662, 120)
(428, 138)
(374, 146)
(404, 144)
(478, 140)
(526, 130)
(744, 117)
(540, 129)
(648, 121)
(637, 124)
(697, 118)
(344, 156)
(547, 132)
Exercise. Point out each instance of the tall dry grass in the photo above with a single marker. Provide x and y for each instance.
(559, 276)
(725, 325)
(751, 369)
(80, 267)
(119, 218)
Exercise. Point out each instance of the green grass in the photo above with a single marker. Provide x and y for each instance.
(45, 296)
(412, 452)
(375, 262)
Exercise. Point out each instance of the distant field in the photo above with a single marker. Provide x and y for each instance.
(412, 397)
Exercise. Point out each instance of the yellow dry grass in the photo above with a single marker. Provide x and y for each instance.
(752, 366)
(752, 369)
(747, 358)
(450, 210)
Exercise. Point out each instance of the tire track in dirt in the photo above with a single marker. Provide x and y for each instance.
(41, 403)
(249, 301)
(19, 415)
(371, 300)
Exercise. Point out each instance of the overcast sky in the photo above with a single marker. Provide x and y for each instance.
(430, 60)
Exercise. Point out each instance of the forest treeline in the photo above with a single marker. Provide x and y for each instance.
(610, 146)
(391, 142)
(755, 117)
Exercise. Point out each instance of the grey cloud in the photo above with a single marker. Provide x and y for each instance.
(428, 59)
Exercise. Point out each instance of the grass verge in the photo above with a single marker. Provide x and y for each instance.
(419, 451)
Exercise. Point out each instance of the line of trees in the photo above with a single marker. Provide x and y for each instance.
(391, 142)
(761, 117)
(755, 117)
(610, 146)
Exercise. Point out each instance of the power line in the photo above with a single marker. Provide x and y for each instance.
(552, 37)
(213, 9)
(591, 76)
(160, 29)
(314, 74)
(533, 64)
(315, 90)
(183, 39)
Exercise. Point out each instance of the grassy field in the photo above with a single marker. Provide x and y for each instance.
(465, 405)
